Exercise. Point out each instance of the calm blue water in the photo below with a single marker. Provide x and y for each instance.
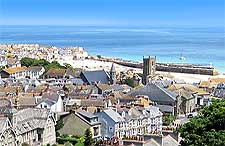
(197, 45)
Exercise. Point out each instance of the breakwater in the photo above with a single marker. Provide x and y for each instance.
(167, 67)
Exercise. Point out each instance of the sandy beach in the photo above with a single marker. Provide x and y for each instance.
(89, 64)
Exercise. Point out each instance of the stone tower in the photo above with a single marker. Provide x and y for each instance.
(149, 68)
(112, 74)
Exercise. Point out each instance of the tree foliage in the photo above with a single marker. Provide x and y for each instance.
(167, 119)
(59, 125)
(80, 142)
(129, 82)
(206, 129)
(26, 61)
(88, 141)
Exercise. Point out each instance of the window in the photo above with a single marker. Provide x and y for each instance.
(96, 131)
(110, 129)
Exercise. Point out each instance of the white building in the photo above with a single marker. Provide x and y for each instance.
(131, 122)
(141, 121)
(14, 72)
(3, 60)
(52, 101)
(34, 72)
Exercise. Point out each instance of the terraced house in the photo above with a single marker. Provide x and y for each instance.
(131, 122)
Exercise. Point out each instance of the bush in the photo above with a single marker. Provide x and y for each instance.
(167, 119)
(62, 140)
(88, 141)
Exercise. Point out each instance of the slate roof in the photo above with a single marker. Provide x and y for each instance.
(163, 83)
(155, 93)
(77, 81)
(187, 95)
(117, 87)
(165, 108)
(31, 118)
(73, 125)
(219, 93)
(104, 87)
(92, 102)
(113, 115)
(87, 114)
(90, 77)
(169, 141)
(34, 68)
(51, 96)
(48, 101)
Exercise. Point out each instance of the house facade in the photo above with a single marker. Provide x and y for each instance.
(132, 122)
(35, 72)
(52, 102)
(76, 123)
(8, 136)
(14, 72)
(31, 126)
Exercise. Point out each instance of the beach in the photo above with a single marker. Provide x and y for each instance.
(90, 64)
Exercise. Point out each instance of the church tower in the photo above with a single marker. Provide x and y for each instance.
(112, 74)
(149, 69)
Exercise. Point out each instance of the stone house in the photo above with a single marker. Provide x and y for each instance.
(32, 126)
(77, 123)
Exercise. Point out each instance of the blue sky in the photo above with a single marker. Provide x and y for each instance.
(113, 12)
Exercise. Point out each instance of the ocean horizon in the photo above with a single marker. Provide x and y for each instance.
(199, 45)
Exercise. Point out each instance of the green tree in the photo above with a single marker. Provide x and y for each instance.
(68, 66)
(59, 124)
(206, 129)
(26, 61)
(167, 119)
(88, 141)
(80, 142)
(129, 82)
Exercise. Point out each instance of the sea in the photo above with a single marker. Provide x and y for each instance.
(195, 45)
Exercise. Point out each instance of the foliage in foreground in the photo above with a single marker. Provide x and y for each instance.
(88, 141)
(206, 129)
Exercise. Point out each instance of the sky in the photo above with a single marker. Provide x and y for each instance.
(113, 12)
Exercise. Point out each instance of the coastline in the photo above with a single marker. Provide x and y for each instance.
(197, 45)
(90, 64)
